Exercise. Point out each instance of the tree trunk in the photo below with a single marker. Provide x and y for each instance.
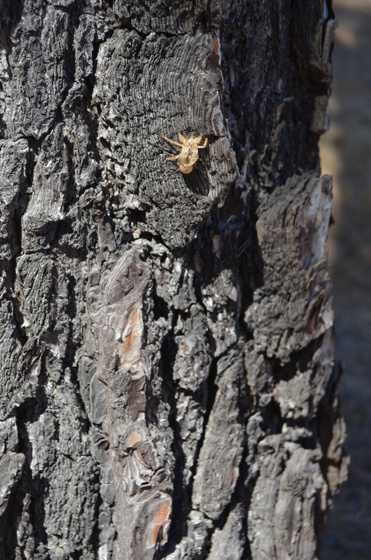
(167, 355)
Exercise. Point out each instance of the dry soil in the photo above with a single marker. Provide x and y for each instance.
(346, 154)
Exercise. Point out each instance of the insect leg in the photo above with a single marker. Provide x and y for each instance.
(172, 141)
(182, 138)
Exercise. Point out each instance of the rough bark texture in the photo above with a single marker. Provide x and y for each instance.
(168, 386)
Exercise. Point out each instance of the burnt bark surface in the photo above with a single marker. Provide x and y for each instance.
(168, 385)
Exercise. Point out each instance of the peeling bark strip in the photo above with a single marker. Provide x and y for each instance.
(135, 471)
(168, 385)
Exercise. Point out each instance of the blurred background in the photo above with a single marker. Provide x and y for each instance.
(346, 154)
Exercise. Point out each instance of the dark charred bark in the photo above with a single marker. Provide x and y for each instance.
(167, 362)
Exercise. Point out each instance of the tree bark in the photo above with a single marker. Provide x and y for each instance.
(168, 384)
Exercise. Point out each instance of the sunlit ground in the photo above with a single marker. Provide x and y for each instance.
(346, 154)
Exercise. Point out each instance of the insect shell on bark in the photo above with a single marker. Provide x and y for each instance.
(188, 155)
